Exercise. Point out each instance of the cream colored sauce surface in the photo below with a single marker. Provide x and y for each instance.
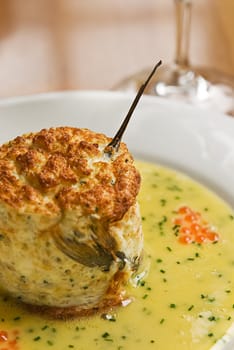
(185, 302)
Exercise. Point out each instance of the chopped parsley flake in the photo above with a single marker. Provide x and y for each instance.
(44, 327)
(37, 338)
(17, 318)
(190, 307)
(212, 318)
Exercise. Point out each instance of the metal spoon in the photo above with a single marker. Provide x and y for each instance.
(102, 249)
(113, 146)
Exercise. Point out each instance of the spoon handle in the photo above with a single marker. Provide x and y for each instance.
(115, 142)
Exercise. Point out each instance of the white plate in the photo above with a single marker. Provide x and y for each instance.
(198, 143)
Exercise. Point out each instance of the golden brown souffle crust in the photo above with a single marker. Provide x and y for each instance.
(59, 180)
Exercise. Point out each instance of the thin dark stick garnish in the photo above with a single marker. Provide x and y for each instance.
(113, 146)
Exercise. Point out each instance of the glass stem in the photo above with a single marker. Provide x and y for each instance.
(183, 21)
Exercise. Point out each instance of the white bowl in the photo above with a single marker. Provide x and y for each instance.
(197, 142)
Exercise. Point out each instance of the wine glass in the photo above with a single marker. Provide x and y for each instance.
(204, 87)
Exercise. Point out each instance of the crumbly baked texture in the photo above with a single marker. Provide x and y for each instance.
(60, 182)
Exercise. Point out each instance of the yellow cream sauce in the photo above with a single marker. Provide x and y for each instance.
(186, 300)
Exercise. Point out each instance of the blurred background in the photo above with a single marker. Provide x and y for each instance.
(48, 45)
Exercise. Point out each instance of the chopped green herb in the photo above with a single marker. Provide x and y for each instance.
(17, 318)
(44, 327)
(164, 219)
(190, 307)
(212, 318)
(211, 300)
(105, 335)
(37, 338)
(174, 188)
